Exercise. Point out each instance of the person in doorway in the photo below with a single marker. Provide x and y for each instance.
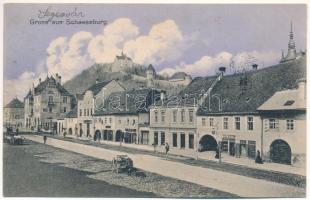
(167, 148)
(44, 139)
(258, 158)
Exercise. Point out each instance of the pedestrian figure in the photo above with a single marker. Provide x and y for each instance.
(258, 158)
(167, 148)
(129, 166)
(44, 139)
(217, 153)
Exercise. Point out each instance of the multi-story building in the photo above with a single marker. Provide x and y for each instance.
(71, 123)
(14, 114)
(93, 99)
(173, 119)
(284, 126)
(230, 116)
(125, 116)
(45, 103)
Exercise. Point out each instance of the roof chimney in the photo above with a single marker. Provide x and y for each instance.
(254, 66)
(222, 69)
(97, 80)
(59, 80)
(302, 88)
(39, 80)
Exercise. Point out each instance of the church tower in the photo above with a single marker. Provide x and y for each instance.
(291, 53)
(150, 75)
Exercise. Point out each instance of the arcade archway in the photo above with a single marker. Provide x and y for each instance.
(280, 152)
(208, 143)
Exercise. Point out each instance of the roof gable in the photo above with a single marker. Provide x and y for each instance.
(96, 88)
(15, 103)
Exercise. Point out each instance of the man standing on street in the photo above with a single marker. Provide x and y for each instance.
(167, 148)
(44, 139)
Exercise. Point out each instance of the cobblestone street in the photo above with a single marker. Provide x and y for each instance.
(140, 184)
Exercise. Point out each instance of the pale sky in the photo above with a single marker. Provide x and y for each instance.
(191, 38)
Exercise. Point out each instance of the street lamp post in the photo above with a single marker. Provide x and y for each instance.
(197, 145)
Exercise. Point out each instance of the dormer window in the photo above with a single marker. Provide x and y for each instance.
(289, 103)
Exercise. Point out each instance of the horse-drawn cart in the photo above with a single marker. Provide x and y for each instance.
(122, 163)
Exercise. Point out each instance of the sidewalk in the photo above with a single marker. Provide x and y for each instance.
(211, 157)
(236, 184)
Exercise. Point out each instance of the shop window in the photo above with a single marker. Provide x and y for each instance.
(162, 138)
(182, 135)
(224, 146)
(191, 141)
(155, 138)
(175, 140)
(251, 149)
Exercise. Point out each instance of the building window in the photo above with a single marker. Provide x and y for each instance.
(91, 112)
(211, 121)
(191, 141)
(182, 115)
(50, 109)
(251, 149)
(225, 123)
(289, 124)
(64, 100)
(105, 120)
(163, 116)
(133, 122)
(203, 121)
(250, 123)
(156, 116)
(65, 109)
(119, 121)
(273, 124)
(50, 99)
(81, 112)
(155, 138)
(110, 120)
(182, 138)
(175, 140)
(87, 112)
(162, 138)
(237, 123)
(84, 112)
(127, 121)
(191, 115)
(174, 113)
